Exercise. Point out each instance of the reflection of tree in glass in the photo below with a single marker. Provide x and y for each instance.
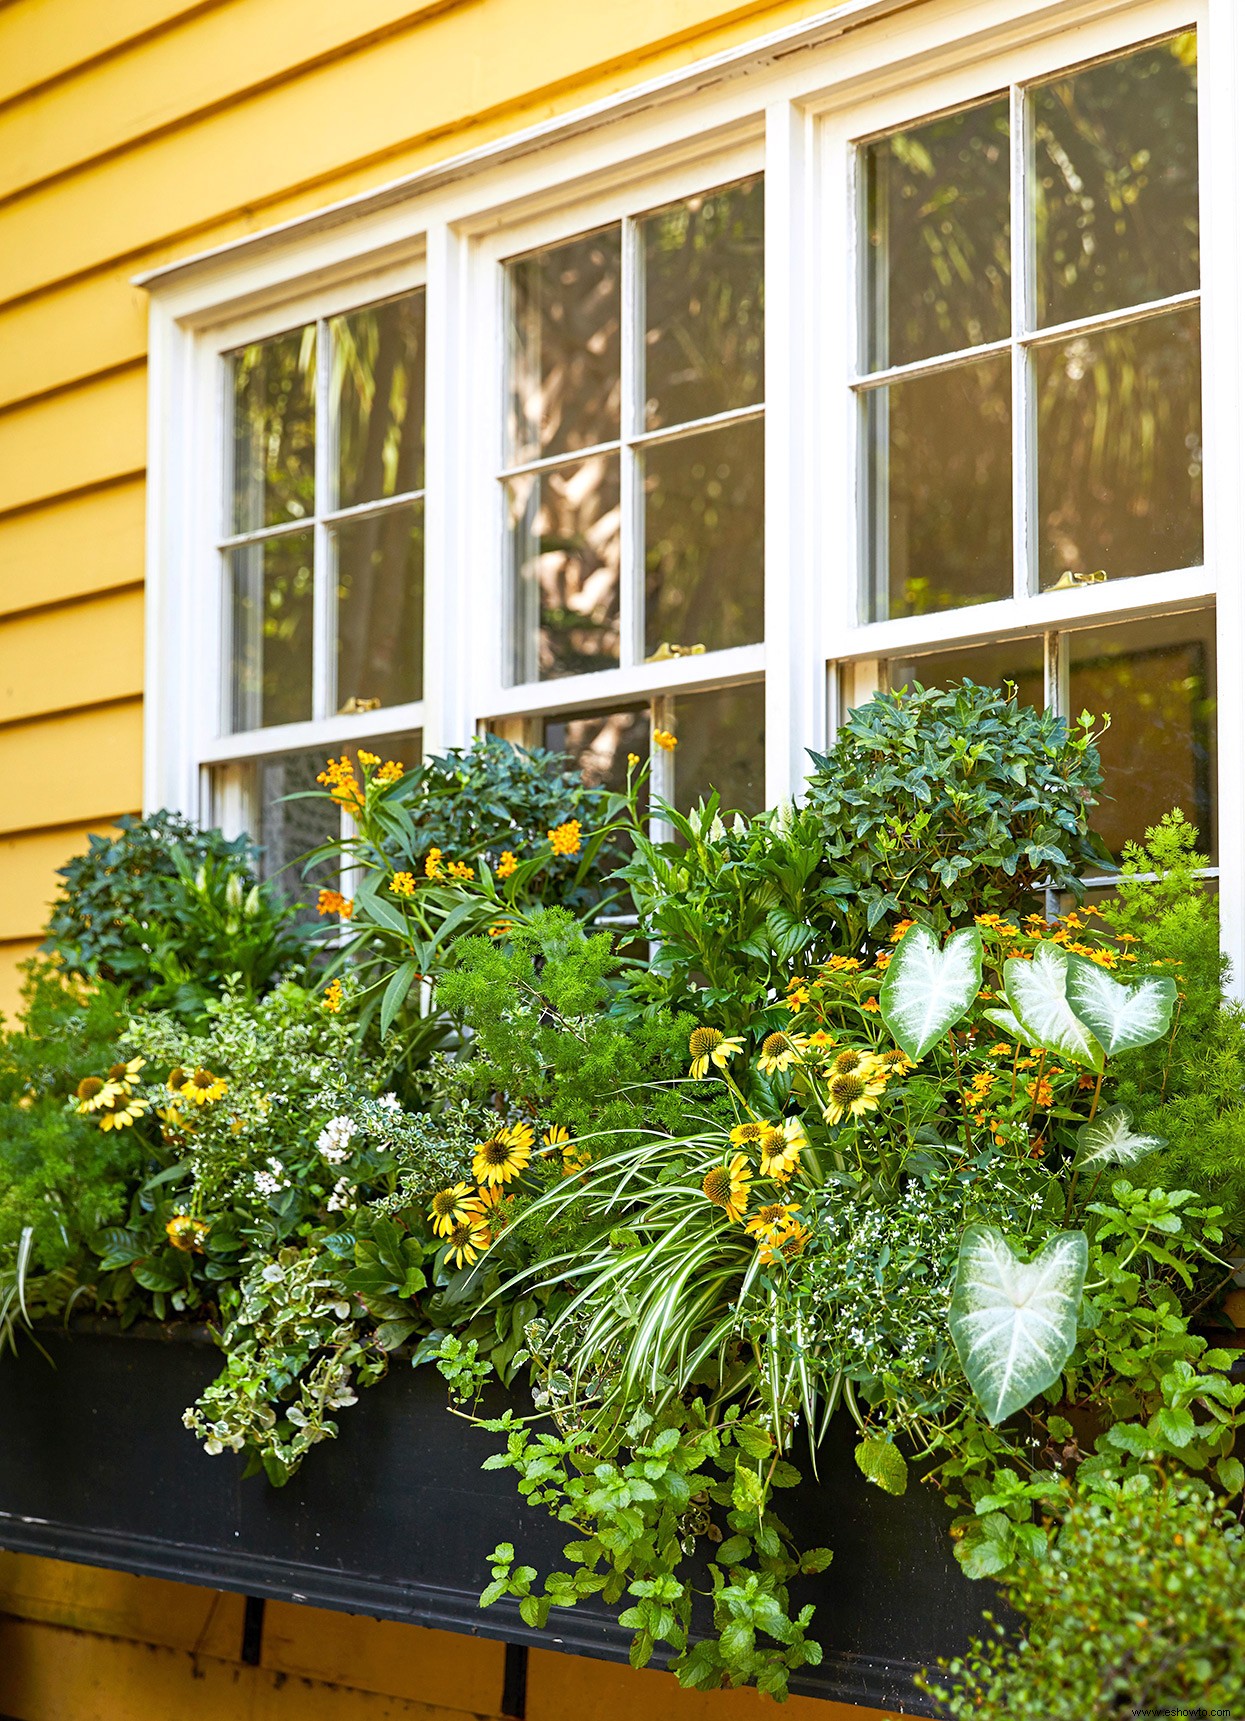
(274, 430)
(939, 257)
(1120, 449)
(704, 305)
(377, 387)
(380, 613)
(566, 543)
(1159, 751)
(1116, 168)
(565, 363)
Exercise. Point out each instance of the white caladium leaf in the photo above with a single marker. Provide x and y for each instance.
(1122, 1017)
(1037, 991)
(927, 990)
(1110, 1139)
(1013, 1322)
(1010, 1026)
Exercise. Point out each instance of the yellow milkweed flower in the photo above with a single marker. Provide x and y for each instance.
(402, 884)
(665, 740)
(432, 864)
(460, 869)
(390, 771)
(564, 839)
(333, 902)
(332, 997)
(506, 865)
(366, 758)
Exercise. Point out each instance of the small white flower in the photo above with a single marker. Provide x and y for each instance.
(391, 1102)
(335, 1138)
(343, 1196)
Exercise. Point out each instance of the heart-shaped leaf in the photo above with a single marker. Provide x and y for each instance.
(1122, 1017)
(1010, 1026)
(927, 990)
(1013, 1322)
(1111, 1140)
(1037, 991)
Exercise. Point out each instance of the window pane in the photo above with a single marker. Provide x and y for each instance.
(1120, 449)
(274, 431)
(938, 258)
(380, 607)
(1157, 680)
(704, 333)
(940, 459)
(564, 542)
(1021, 661)
(704, 508)
(378, 400)
(270, 588)
(565, 365)
(599, 742)
(721, 746)
(1116, 174)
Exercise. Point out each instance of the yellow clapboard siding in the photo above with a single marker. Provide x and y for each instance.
(72, 769)
(84, 653)
(117, 1604)
(433, 83)
(12, 955)
(49, 1673)
(572, 1688)
(28, 866)
(174, 75)
(72, 546)
(438, 1667)
(71, 332)
(42, 39)
(85, 435)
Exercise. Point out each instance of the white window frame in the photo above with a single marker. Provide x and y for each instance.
(795, 103)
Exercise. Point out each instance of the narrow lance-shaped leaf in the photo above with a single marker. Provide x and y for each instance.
(1122, 1017)
(1111, 1140)
(927, 990)
(1037, 991)
(1013, 1322)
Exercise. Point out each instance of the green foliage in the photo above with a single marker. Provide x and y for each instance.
(170, 913)
(1190, 1090)
(942, 804)
(637, 1511)
(735, 911)
(1135, 1609)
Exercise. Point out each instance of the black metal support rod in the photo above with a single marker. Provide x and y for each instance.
(514, 1682)
(253, 1631)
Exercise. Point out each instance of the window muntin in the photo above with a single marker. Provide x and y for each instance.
(634, 466)
(323, 560)
(1096, 427)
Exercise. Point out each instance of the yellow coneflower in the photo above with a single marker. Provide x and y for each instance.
(767, 1221)
(779, 1051)
(852, 1062)
(711, 1046)
(186, 1234)
(786, 1242)
(124, 1074)
(781, 1150)
(728, 1187)
(466, 1240)
(202, 1088)
(94, 1093)
(853, 1092)
(456, 1206)
(504, 1155)
(894, 1063)
(177, 1075)
(123, 1110)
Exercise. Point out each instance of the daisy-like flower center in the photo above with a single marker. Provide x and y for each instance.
(717, 1186)
(118, 1073)
(748, 1134)
(459, 1235)
(845, 1088)
(703, 1040)
(444, 1203)
(495, 1151)
(773, 1044)
(894, 1058)
(202, 1079)
(177, 1077)
(774, 1214)
(89, 1086)
(848, 1061)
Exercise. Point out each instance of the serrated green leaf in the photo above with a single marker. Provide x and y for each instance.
(883, 1463)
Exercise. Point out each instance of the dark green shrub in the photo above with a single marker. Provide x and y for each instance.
(1137, 1610)
(940, 804)
(169, 912)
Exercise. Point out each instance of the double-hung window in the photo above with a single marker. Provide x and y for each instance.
(1028, 408)
(632, 490)
(321, 563)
